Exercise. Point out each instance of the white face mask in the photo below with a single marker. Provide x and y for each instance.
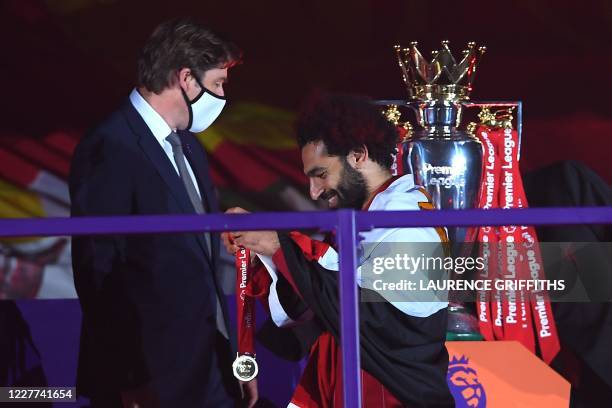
(204, 109)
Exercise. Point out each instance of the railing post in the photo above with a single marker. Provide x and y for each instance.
(349, 311)
(519, 127)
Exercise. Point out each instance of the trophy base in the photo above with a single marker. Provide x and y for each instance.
(462, 324)
(450, 336)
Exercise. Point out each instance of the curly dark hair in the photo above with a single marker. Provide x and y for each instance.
(182, 43)
(345, 123)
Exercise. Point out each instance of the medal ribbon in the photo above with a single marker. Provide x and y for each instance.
(245, 303)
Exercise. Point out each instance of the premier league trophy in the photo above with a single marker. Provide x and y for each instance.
(445, 160)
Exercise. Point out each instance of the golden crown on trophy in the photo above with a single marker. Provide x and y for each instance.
(442, 78)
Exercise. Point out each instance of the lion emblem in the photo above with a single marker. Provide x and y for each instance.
(464, 384)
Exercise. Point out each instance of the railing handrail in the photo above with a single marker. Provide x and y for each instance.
(321, 220)
(345, 222)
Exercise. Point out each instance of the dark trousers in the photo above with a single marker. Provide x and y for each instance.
(223, 389)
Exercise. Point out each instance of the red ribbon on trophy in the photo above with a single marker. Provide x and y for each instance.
(512, 253)
(489, 306)
(245, 366)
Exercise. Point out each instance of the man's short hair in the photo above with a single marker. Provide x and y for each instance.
(182, 43)
(345, 123)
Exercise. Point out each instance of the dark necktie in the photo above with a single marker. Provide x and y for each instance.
(196, 201)
(194, 197)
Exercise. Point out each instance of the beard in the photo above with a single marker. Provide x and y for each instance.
(352, 190)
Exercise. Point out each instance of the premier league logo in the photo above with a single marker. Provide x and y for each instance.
(464, 384)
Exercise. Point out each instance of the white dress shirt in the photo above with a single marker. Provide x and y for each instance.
(160, 130)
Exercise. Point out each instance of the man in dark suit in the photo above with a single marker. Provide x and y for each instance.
(155, 328)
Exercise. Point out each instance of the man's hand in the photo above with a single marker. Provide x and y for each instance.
(260, 242)
(250, 394)
(227, 237)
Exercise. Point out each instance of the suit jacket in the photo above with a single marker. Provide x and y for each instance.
(148, 301)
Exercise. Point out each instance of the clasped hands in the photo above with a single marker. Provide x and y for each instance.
(258, 242)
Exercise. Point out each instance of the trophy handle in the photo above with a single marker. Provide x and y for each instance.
(518, 105)
(412, 104)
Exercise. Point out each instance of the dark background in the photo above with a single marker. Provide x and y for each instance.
(66, 64)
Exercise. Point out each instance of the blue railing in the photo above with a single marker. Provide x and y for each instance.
(346, 223)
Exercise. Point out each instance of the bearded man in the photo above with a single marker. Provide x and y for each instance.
(347, 151)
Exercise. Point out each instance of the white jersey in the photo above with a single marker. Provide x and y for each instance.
(401, 195)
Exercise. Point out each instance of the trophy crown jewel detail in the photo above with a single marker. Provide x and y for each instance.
(442, 78)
